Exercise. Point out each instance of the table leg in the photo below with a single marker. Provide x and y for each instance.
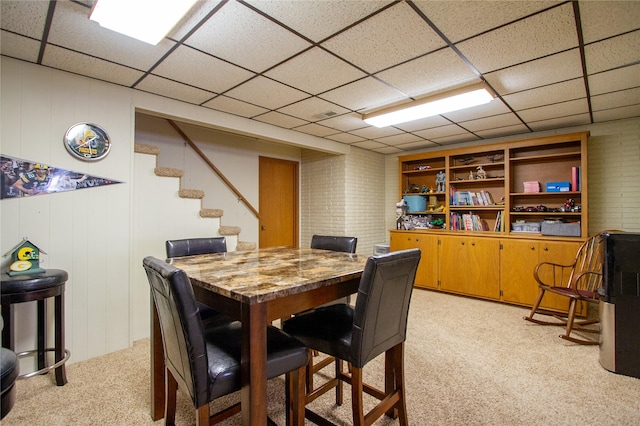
(254, 364)
(61, 372)
(41, 346)
(157, 367)
(7, 326)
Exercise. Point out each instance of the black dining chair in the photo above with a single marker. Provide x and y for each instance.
(334, 243)
(377, 324)
(194, 247)
(204, 360)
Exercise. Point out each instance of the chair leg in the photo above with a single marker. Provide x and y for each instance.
(295, 397)
(170, 395)
(570, 323)
(202, 415)
(535, 307)
(394, 382)
(339, 386)
(357, 405)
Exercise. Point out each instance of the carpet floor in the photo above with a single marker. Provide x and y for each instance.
(467, 361)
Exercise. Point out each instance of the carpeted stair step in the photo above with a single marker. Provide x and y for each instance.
(146, 149)
(168, 172)
(215, 213)
(191, 193)
(245, 246)
(229, 230)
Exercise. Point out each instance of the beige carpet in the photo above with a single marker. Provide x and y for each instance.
(468, 362)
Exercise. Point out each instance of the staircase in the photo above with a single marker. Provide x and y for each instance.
(231, 232)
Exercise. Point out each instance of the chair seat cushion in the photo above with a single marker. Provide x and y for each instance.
(8, 368)
(581, 294)
(284, 353)
(327, 329)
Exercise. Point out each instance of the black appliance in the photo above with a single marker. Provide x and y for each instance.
(620, 304)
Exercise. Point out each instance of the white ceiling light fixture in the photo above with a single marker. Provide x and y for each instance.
(146, 20)
(441, 103)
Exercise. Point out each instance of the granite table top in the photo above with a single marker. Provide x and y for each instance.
(265, 274)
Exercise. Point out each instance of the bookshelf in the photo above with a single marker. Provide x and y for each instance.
(492, 221)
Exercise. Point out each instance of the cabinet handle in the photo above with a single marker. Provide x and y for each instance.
(473, 244)
(546, 249)
(462, 243)
(533, 248)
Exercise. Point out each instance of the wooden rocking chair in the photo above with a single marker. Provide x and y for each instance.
(579, 281)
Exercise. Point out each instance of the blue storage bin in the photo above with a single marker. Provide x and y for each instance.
(415, 203)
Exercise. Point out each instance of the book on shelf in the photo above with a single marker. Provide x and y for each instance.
(575, 178)
(469, 198)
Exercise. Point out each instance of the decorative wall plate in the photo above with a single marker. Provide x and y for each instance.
(87, 141)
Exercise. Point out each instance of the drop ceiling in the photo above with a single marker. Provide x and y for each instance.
(316, 66)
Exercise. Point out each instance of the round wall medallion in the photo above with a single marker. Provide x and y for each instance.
(87, 141)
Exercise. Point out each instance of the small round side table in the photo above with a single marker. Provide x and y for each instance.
(37, 287)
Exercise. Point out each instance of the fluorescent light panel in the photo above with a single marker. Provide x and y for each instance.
(466, 97)
(146, 20)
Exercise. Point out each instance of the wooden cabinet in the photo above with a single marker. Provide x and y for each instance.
(427, 273)
(469, 265)
(491, 239)
(518, 258)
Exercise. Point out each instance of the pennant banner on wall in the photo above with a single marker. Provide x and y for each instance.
(23, 178)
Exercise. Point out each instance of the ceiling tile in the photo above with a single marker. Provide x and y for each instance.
(503, 131)
(616, 99)
(280, 120)
(555, 123)
(423, 123)
(400, 139)
(234, 106)
(495, 107)
(388, 150)
(397, 34)
(304, 73)
(204, 71)
(24, 17)
(239, 35)
(450, 140)
(422, 144)
(313, 19)
(551, 94)
(552, 69)
(549, 112)
(439, 132)
(98, 41)
(617, 113)
(369, 145)
(197, 13)
(78, 63)
(316, 130)
(267, 93)
(19, 47)
(438, 70)
(611, 81)
(541, 35)
(612, 53)
(602, 19)
(172, 89)
(345, 123)
(495, 121)
(313, 109)
(474, 17)
(347, 138)
(372, 132)
(365, 93)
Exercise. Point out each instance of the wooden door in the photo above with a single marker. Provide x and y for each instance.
(278, 199)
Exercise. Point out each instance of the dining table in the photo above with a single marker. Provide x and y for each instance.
(257, 287)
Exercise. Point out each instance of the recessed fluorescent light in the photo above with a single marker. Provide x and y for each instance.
(454, 100)
(146, 20)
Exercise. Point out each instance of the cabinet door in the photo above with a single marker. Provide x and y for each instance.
(518, 259)
(454, 264)
(401, 241)
(562, 253)
(470, 266)
(427, 275)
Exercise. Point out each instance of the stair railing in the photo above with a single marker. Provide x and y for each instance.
(214, 168)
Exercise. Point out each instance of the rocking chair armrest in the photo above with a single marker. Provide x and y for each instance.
(552, 269)
(593, 278)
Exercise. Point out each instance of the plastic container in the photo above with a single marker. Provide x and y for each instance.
(415, 203)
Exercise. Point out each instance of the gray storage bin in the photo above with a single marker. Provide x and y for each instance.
(560, 229)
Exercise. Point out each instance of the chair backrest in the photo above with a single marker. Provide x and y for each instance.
(194, 246)
(327, 242)
(182, 331)
(382, 306)
(586, 276)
